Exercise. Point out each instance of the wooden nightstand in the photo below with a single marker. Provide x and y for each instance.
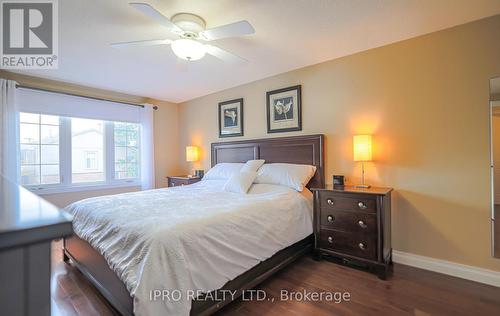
(355, 225)
(181, 180)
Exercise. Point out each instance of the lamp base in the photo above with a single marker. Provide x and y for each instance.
(362, 186)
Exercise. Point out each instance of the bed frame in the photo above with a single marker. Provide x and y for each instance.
(308, 149)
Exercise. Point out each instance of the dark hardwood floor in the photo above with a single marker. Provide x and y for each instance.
(408, 291)
(71, 293)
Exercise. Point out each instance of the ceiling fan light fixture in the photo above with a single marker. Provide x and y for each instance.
(188, 49)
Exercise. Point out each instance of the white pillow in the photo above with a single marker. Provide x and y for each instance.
(223, 170)
(240, 182)
(290, 175)
(252, 165)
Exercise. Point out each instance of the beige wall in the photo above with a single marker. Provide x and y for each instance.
(425, 100)
(166, 142)
(165, 131)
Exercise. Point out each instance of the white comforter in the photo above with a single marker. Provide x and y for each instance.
(196, 237)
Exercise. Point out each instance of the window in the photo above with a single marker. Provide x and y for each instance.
(91, 160)
(87, 136)
(39, 149)
(61, 153)
(126, 150)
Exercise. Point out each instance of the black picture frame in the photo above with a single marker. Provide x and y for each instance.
(269, 94)
(241, 120)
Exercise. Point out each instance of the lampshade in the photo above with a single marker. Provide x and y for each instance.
(362, 147)
(191, 153)
(188, 49)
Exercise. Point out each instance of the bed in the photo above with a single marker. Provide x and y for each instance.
(96, 266)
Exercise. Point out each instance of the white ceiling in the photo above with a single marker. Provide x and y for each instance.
(290, 34)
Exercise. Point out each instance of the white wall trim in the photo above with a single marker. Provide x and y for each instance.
(480, 275)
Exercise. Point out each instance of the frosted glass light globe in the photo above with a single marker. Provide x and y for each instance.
(188, 49)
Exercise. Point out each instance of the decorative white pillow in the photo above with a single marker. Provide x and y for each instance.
(253, 165)
(240, 182)
(290, 175)
(223, 170)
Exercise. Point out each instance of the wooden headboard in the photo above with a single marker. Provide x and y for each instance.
(307, 150)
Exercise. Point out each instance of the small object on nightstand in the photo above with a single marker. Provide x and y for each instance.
(199, 173)
(338, 180)
(354, 224)
(175, 181)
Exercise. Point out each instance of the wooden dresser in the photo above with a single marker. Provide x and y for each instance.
(181, 180)
(28, 224)
(355, 225)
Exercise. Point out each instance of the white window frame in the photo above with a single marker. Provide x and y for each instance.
(65, 161)
(38, 187)
(126, 146)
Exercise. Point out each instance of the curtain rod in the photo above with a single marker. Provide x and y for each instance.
(19, 86)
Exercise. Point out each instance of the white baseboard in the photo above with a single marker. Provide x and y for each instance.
(480, 275)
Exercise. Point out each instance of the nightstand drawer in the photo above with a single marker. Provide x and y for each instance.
(177, 182)
(358, 245)
(181, 180)
(332, 201)
(349, 221)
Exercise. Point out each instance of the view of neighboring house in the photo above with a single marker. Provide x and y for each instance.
(87, 156)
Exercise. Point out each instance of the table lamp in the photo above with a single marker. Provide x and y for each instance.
(362, 149)
(192, 154)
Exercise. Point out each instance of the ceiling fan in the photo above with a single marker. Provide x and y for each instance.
(191, 32)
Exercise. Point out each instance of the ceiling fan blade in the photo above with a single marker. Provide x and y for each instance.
(229, 30)
(224, 55)
(142, 43)
(156, 15)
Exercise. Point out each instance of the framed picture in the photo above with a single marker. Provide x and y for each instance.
(231, 118)
(284, 110)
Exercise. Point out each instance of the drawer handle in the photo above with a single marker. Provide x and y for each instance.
(362, 205)
(330, 239)
(362, 224)
(362, 246)
(330, 202)
(330, 218)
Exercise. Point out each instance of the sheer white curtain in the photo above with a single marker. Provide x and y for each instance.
(9, 130)
(147, 148)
